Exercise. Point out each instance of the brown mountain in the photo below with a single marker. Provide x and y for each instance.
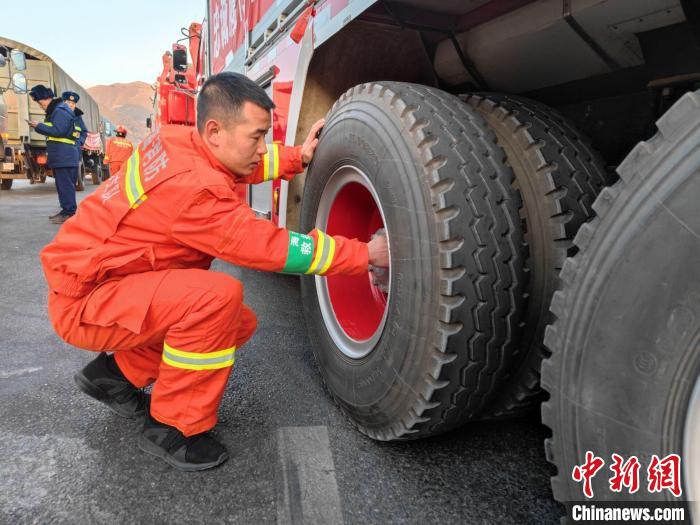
(127, 105)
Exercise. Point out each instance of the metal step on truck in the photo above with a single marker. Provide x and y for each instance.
(25, 149)
(534, 164)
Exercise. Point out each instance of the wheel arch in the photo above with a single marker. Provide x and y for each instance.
(359, 53)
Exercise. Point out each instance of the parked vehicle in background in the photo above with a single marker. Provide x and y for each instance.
(174, 98)
(27, 149)
(93, 157)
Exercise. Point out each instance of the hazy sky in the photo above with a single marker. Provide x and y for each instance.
(99, 41)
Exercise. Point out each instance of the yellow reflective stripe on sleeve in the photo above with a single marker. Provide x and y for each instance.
(276, 161)
(271, 163)
(198, 360)
(266, 165)
(331, 253)
(132, 180)
(127, 184)
(320, 245)
(325, 250)
(136, 174)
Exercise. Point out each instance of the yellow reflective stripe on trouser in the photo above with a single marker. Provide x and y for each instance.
(132, 181)
(198, 360)
(57, 139)
(271, 163)
(325, 250)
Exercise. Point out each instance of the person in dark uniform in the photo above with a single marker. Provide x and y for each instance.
(80, 134)
(63, 156)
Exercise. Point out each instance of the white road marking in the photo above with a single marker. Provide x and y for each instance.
(20, 372)
(308, 492)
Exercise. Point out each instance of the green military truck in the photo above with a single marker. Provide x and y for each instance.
(25, 149)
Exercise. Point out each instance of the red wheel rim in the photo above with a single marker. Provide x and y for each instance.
(354, 309)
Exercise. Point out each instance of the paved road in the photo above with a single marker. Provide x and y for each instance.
(66, 459)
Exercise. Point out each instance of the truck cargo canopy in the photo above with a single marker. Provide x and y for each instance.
(58, 79)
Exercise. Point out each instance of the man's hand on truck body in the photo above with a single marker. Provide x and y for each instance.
(308, 148)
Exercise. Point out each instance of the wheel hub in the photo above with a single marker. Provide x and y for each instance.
(354, 307)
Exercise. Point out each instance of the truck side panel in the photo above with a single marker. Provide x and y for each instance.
(3, 118)
(21, 107)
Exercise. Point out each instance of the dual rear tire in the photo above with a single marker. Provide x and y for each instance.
(443, 342)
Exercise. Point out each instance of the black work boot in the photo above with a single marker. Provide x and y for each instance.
(61, 218)
(198, 452)
(56, 215)
(103, 380)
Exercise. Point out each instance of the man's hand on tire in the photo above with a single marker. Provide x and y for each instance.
(378, 251)
(309, 146)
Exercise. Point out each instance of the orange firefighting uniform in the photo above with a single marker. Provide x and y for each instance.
(117, 152)
(127, 273)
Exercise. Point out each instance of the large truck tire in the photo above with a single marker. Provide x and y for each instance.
(558, 175)
(428, 355)
(624, 373)
(6, 184)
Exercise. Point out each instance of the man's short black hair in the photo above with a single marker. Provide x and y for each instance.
(223, 95)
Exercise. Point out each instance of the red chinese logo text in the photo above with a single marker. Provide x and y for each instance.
(662, 474)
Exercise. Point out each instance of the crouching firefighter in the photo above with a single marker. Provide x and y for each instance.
(128, 276)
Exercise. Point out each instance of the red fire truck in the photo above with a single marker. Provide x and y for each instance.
(541, 255)
(176, 87)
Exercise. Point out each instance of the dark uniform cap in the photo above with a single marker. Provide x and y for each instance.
(70, 95)
(41, 92)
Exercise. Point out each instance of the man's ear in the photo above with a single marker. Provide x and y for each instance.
(212, 132)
